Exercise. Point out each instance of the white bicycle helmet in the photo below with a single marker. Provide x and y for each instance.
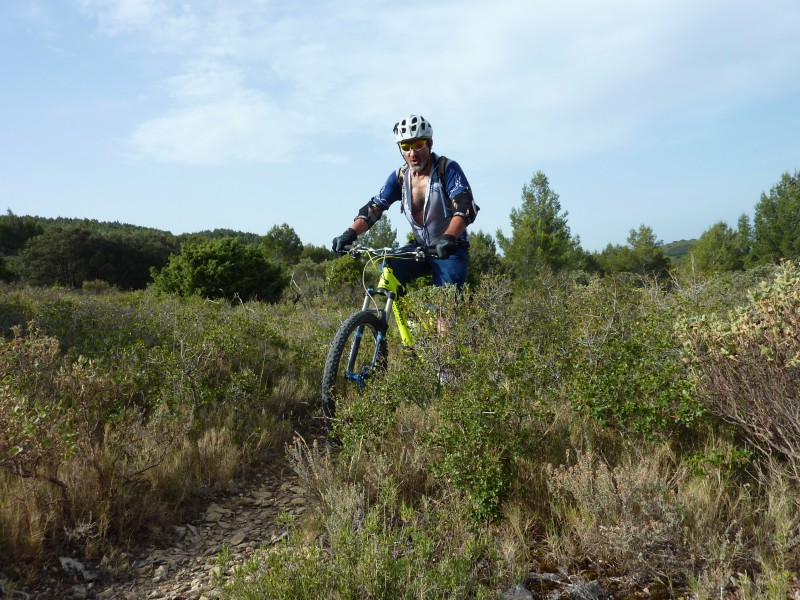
(412, 127)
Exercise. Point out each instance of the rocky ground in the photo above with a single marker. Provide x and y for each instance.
(184, 566)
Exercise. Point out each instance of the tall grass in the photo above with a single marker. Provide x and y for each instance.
(573, 424)
(569, 434)
(118, 412)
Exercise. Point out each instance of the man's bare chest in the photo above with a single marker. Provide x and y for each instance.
(419, 191)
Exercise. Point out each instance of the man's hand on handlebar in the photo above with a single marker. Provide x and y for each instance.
(342, 243)
(346, 244)
(446, 246)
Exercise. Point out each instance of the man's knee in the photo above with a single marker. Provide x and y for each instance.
(451, 270)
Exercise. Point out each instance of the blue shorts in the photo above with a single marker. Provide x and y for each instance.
(451, 270)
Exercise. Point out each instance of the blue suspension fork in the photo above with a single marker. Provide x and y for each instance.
(361, 376)
(351, 360)
(387, 277)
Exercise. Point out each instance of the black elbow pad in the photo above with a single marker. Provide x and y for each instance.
(368, 214)
(464, 206)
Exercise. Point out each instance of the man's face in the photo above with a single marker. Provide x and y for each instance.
(417, 153)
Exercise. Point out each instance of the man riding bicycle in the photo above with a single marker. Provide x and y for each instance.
(436, 198)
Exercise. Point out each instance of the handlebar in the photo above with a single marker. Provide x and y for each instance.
(419, 253)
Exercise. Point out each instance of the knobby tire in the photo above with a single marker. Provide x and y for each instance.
(371, 355)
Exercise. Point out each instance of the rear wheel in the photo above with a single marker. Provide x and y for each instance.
(357, 351)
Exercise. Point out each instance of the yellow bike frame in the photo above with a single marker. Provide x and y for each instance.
(389, 286)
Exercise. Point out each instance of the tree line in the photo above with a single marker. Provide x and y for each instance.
(227, 263)
(541, 238)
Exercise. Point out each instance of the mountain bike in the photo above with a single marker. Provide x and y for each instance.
(359, 348)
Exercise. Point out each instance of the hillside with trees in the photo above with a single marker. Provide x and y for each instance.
(72, 252)
(626, 418)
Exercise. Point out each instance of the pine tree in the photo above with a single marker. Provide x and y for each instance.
(282, 244)
(381, 234)
(719, 249)
(483, 257)
(777, 222)
(540, 238)
(643, 255)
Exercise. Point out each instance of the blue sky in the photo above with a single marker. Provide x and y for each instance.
(195, 115)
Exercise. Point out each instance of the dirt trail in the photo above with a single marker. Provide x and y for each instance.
(185, 564)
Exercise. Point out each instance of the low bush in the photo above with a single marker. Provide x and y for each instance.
(746, 365)
(373, 545)
(119, 411)
(66, 425)
(625, 365)
(643, 433)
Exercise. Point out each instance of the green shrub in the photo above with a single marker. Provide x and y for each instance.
(459, 397)
(223, 268)
(625, 362)
(746, 365)
(344, 274)
(119, 410)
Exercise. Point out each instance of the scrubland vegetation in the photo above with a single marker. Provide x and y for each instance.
(120, 411)
(596, 425)
(638, 425)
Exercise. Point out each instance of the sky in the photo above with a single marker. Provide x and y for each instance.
(199, 114)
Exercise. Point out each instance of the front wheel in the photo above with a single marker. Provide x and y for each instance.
(357, 351)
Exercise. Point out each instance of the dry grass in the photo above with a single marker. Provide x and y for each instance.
(692, 510)
(101, 453)
(747, 367)
(624, 515)
(652, 517)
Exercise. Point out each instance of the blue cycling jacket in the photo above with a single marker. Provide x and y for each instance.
(436, 213)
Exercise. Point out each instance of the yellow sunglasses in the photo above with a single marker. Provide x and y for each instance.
(406, 146)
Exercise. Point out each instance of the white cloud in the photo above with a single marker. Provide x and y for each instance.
(219, 120)
(157, 25)
(206, 80)
(549, 80)
(246, 128)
